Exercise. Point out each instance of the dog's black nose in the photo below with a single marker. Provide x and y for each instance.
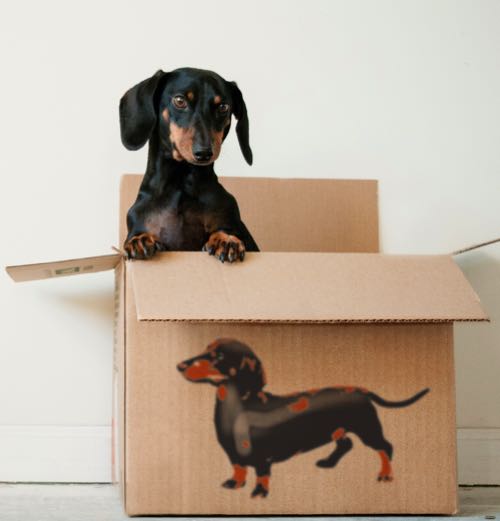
(202, 154)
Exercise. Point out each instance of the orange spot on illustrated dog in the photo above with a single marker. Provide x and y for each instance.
(182, 139)
(386, 470)
(312, 392)
(300, 405)
(202, 369)
(264, 481)
(338, 434)
(239, 475)
(245, 444)
(251, 362)
(213, 345)
(221, 392)
(349, 389)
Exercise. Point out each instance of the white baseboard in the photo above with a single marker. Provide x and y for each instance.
(478, 456)
(55, 454)
(83, 454)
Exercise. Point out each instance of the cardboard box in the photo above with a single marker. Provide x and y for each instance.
(329, 321)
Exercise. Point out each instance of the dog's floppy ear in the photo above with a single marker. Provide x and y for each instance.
(138, 111)
(251, 377)
(240, 113)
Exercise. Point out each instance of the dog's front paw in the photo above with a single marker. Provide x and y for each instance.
(225, 247)
(233, 483)
(142, 246)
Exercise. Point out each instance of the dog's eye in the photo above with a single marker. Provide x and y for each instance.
(223, 108)
(180, 102)
(220, 356)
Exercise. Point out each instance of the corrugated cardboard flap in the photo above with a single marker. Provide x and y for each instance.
(303, 288)
(63, 268)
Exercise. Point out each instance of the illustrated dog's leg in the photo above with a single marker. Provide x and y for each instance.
(373, 437)
(239, 477)
(385, 473)
(344, 445)
(263, 472)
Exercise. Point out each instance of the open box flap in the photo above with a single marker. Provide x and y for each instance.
(303, 287)
(48, 270)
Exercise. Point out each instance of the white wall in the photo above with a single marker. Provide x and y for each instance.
(403, 91)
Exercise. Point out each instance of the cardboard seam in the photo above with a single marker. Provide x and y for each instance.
(319, 321)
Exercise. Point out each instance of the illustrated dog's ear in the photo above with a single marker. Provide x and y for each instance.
(251, 377)
(138, 111)
(240, 113)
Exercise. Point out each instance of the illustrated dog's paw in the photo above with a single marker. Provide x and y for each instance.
(260, 491)
(233, 484)
(384, 478)
(142, 246)
(225, 247)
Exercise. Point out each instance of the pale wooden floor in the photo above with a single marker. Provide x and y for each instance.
(26, 502)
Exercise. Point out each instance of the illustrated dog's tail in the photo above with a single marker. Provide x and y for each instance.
(404, 403)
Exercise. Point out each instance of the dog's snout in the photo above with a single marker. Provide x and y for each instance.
(202, 153)
(182, 366)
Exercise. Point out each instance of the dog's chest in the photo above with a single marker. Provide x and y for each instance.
(179, 224)
(226, 414)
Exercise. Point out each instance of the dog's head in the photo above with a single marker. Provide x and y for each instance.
(226, 360)
(192, 108)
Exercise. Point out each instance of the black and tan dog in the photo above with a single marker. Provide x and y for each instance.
(257, 428)
(185, 115)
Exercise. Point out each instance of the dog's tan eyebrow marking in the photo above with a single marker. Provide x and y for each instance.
(217, 100)
(166, 115)
(190, 95)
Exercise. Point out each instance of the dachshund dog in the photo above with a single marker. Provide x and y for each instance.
(256, 428)
(185, 115)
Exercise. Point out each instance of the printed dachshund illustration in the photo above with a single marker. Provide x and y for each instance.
(185, 115)
(257, 428)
